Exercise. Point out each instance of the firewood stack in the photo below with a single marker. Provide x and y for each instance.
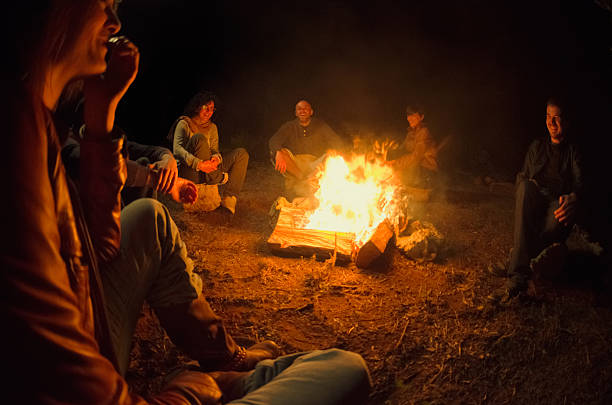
(418, 241)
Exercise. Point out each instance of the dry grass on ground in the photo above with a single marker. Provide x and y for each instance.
(426, 330)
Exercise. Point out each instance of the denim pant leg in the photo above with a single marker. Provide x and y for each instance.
(553, 231)
(235, 164)
(152, 264)
(529, 215)
(322, 377)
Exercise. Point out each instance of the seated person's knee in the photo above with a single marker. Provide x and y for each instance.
(242, 153)
(145, 209)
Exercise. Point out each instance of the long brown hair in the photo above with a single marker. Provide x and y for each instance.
(41, 33)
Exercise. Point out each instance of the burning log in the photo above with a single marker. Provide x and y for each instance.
(348, 217)
(290, 238)
(375, 247)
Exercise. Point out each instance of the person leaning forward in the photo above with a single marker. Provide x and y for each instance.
(548, 191)
(299, 145)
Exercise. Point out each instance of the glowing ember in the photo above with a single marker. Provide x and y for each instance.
(354, 196)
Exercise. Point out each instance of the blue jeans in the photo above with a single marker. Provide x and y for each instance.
(152, 265)
(535, 225)
(321, 377)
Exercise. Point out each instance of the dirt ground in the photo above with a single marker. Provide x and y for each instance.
(427, 331)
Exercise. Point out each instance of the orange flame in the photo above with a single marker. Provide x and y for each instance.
(354, 196)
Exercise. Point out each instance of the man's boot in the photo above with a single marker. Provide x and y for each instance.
(194, 327)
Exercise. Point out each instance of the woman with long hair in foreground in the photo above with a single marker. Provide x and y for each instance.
(60, 336)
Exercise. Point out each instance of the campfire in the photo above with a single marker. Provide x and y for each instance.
(350, 217)
(354, 196)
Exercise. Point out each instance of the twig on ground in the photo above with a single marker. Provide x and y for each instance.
(401, 338)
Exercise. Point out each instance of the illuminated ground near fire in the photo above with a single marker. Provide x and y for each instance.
(426, 331)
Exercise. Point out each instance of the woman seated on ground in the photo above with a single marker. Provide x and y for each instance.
(57, 347)
(195, 144)
(416, 158)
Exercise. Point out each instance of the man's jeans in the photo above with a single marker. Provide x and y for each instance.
(152, 265)
(535, 225)
(322, 377)
(234, 163)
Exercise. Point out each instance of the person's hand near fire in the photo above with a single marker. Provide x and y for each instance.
(164, 179)
(284, 163)
(281, 163)
(210, 165)
(184, 191)
(167, 174)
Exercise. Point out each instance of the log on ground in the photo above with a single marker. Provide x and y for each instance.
(289, 238)
(374, 247)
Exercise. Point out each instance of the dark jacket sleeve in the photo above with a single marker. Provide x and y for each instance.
(577, 170)
(137, 174)
(99, 168)
(103, 173)
(153, 153)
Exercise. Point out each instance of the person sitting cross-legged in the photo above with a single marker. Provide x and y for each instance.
(195, 142)
(299, 145)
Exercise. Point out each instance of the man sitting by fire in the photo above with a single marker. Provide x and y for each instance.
(548, 190)
(416, 158)
(299, 146)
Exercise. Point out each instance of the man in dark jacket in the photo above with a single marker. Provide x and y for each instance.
(299, 145)
(548, 191)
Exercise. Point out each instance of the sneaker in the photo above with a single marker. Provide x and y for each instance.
(229, 202)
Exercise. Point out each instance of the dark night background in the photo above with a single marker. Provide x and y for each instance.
(482, 69)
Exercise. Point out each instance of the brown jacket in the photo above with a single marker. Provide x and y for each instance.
(47, 289)
(419, 149)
